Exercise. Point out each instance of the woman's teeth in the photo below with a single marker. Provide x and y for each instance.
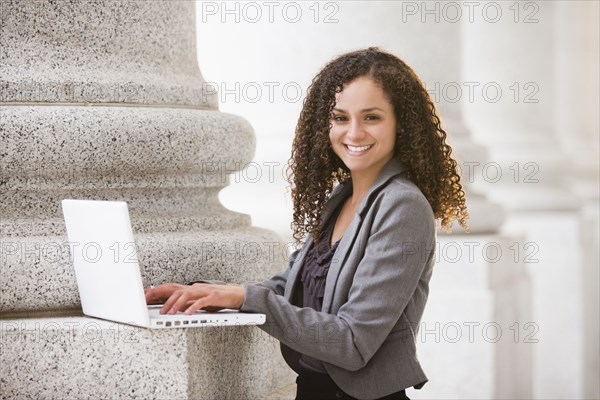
(355, 149)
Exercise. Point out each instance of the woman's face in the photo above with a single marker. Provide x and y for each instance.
(363, 132)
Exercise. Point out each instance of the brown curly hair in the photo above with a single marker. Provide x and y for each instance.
(421, 146)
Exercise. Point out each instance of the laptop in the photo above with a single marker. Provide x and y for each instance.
(108, 275)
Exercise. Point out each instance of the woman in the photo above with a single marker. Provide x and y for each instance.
(370, 175)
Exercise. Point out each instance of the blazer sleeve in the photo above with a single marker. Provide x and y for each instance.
(276, 284)
(384, 282)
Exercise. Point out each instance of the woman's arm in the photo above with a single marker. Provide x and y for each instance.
(384, 283)
(277, 283)
(183, 297)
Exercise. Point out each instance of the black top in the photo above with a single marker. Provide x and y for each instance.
(314, 276)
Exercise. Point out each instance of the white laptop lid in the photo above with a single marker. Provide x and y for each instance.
(105, 260)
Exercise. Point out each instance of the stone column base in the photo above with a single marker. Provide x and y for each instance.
(81, 357)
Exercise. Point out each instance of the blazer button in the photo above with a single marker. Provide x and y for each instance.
(339, 394)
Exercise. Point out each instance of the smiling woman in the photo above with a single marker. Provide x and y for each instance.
(370, 175)
(419, 140)
(363, 131)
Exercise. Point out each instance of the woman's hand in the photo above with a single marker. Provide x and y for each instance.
(199, 296)
(160, 294)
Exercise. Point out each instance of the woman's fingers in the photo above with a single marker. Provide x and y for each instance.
(204, 304)
(182, 298)
(172, 302)
(158, 294)
(151, 296)
(201, 296)
(154, 297)
(195, 306)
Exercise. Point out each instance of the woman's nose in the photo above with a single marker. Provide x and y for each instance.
(355, 131)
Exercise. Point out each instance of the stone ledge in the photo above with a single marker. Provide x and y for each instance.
(80, 357)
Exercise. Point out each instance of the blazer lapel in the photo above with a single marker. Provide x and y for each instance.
(392, 168)
(338, 194)
(338, 260)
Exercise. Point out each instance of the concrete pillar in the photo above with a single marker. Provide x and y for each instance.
(105, 100)
(512, 104)
(577, 120)
(440, 67)
(514, 57)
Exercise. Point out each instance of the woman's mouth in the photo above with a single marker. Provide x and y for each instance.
(357, 150)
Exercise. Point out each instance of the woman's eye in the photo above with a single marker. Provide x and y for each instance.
(339, 118)
(372, 117)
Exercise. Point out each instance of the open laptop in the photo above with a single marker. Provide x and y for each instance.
(108, 275)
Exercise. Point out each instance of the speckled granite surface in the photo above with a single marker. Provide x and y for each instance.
(86, 358)
(71, 51)
(119, 147)
(168, 164)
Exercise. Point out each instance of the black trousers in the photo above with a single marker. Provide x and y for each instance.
(315, 386)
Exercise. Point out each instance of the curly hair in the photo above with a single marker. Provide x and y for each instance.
(421, 147)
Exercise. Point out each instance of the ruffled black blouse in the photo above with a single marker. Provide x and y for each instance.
(315, 269)
(314, 276)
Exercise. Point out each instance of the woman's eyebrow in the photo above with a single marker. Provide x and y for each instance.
(363, 110)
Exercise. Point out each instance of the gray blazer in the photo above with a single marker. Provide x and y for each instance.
(375, 292)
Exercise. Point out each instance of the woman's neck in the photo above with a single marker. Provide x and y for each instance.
(361, 183)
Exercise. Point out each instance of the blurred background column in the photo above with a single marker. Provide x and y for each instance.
(577, 117)
(509, 59)
(513, 60)
(473, 327)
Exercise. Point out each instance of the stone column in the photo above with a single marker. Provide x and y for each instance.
(105, 100)
(577, 104)
(513, 105)
(515, 57)
(442, 72)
